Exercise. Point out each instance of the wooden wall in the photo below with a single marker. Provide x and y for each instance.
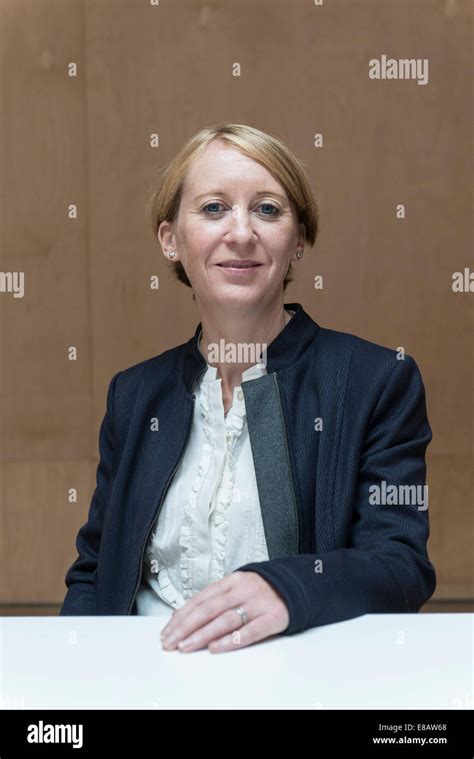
(85, 140)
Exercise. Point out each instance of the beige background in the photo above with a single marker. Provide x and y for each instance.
(86, 140)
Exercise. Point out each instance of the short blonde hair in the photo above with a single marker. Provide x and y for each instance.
(266, 149)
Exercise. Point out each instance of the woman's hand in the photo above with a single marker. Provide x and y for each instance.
(209, 619)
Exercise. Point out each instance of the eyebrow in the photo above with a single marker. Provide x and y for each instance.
(257, 194)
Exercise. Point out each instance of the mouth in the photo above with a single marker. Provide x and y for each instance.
(239, 266)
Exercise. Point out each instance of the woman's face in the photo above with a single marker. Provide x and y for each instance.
(232, 209)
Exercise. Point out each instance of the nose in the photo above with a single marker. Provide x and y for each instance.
(240, 226)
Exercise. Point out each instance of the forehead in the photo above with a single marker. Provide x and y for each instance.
(225, 164)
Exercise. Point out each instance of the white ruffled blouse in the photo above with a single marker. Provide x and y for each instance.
(210, 522)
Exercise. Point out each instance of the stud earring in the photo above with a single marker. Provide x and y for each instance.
(299, 253)
(171, 254)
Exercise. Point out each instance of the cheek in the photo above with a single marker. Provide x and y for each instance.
(200, 240)
(280, 246)
(279, 234)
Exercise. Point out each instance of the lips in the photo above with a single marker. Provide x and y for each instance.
(239, 264)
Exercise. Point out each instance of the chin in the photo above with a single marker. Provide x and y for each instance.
(240, 295)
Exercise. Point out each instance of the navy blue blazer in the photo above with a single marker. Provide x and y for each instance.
(338, 430)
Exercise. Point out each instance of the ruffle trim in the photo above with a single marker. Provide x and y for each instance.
(187, 539)
(223, 499)
(166, 590)
(219, 522)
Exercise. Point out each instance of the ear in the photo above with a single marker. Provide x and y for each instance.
(300, 243)
(167, 239)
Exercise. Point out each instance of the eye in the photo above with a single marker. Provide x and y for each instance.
(271, 206)
(213, 211)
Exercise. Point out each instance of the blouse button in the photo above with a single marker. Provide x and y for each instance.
(240, 395)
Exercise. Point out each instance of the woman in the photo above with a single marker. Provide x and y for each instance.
(262, 478)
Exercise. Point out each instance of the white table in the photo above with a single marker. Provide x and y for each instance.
(379, 661)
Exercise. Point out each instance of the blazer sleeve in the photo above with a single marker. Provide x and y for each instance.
(80, 578)
(385, 566)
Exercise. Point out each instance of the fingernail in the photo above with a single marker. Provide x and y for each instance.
(188, 641)
(168, 640)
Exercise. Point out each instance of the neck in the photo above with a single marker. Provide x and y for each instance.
(249, 327)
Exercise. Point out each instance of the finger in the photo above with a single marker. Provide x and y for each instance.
(210, 591)
(253, 632)
(201, 616)
(225, 623)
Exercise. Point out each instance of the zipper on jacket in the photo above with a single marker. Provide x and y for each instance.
(157, 512)
(295, 506)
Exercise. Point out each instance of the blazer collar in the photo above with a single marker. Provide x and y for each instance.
(283, 351)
